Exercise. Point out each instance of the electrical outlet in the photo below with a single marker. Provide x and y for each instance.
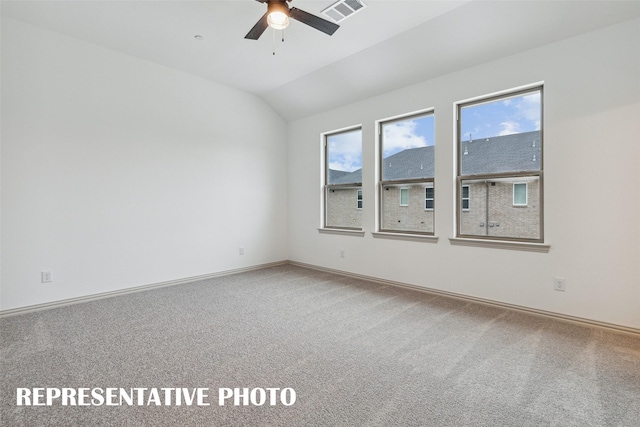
(241, 251)
(559, 284)
(47, 276)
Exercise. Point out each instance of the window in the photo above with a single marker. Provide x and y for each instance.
(465, 197)
(519, 194)
(407, 174)
(500, 167)
(428, 198)
(404, 197)
(343, 179)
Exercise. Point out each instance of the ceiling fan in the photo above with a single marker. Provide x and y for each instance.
(277, 17)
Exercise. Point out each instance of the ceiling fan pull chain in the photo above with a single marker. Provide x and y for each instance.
(273, 40)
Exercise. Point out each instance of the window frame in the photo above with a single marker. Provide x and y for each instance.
(359, 199)
(326, 187)
(539, 174)
(400, 183)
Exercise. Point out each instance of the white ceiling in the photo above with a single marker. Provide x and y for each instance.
(388, 45)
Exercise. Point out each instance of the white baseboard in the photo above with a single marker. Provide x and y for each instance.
(94, 297)
(548, 314)
(537, 312)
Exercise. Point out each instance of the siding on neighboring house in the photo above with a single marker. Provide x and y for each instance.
(503, 218)
(413, 216)
(342, 208)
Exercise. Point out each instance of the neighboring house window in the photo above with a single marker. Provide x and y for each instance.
(520, 194)
(428, 198)
(465, 197)
(343, 179)
(500, 167)
(404, 197)
(406, 168)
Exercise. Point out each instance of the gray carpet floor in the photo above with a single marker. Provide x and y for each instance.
(356, 353)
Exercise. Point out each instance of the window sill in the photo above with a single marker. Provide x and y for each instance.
(344, 232)
(498, 244)
(406, 236)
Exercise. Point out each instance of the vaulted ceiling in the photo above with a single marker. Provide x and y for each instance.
(387, 45)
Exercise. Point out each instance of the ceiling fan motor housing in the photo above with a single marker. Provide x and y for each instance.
(278, 6)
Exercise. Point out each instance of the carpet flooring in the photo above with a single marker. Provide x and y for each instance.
(356, 353)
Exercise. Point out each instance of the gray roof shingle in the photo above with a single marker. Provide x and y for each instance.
(509, 153)
(518, 152)
(409, 164)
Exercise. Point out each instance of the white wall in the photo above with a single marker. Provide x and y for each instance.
(592, 158)
(117, 172)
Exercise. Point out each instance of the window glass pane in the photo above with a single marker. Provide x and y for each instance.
(501, 136)
(500, 167)
(343, 192)
(407, 152)
(404, 196)
(411, 217)
(494, 213)
(344, 157)
(520, 194)
(429, 193)
(407, 149)
(428, 198)
(341, 209)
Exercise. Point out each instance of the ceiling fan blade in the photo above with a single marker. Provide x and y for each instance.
(316, 22)
(258, 29)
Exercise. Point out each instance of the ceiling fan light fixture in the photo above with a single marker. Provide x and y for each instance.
(278, 15)
(278, 20)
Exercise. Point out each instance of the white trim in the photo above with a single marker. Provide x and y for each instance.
(343, 231)
(341, 130)
(423, 112)
(99, 296)
(519, 308)
(500, 244)
(404, 236)
(539, 84)
(543, 313)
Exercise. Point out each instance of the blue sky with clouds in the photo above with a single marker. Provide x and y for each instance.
(502, 117)
(345, 150)
(405, 134)
(506, 116)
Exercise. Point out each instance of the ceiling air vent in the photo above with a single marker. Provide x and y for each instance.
(342, 9)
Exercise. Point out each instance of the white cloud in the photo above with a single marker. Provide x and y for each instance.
(345, 151)
(529, 109)
(402, 136)
(346, 163)
(509, 128)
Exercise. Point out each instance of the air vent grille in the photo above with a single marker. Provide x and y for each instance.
(342, 9)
